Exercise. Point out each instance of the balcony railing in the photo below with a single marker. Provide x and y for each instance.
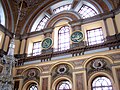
(77, 49)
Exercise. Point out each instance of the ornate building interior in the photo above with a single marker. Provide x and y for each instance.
(62, 44)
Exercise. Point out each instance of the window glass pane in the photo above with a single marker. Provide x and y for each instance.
(36, 48)
(64, 38)
(64, 85)
(41, 24)
(95, 36)
(2, 15)
(62, 8)
(86, 11)
(33, 87)
(101, 83)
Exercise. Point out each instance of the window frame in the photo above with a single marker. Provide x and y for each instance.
(63, 82)
(96, 41)
(86, 12)
(39, 24)
(32, 84)
(63, 6)
(37, 48)
(59, 44)
(95, 87)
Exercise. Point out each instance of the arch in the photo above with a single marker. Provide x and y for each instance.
(54, 84)
(9, 22)
(2, 15)
(100, 74)
(31, 67)
(94, 57)
(70, 16)
(25, 86)
(58, 63)
(35, 14)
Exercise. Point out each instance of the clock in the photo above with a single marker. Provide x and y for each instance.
(47, 43)
(77, 36)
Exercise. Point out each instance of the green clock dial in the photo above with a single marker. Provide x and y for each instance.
(77, 36)
(47, 43)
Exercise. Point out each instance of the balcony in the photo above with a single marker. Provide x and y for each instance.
(77, 49)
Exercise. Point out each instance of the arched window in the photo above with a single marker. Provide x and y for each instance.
(62, 8)
(32, 86)
(64, 38)
(101, 83)
(40, 24)
(2, 15)
(64, 85)
(86, 11)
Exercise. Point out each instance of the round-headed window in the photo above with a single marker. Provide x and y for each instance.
(101, 83)
(64, 85)
(33, 86)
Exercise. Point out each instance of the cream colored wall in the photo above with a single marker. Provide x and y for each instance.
(6, 43)
(22, 46)
(2, 35)
(111, 27)
(76, 69)
(30, 42)
(17, 44)
(93, 25)
(117, 19)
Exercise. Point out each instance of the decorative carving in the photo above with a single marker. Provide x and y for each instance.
(61, 70)
(32, 74)
(98, 64)
(77, 36)
(79, 81)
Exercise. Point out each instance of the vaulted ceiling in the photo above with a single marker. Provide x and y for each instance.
(31, 8)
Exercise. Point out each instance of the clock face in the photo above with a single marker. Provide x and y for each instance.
(47, 43)
(77, 36)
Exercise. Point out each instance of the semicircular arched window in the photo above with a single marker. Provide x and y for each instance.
(101, 83)
(64, 85)
(32, 86)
